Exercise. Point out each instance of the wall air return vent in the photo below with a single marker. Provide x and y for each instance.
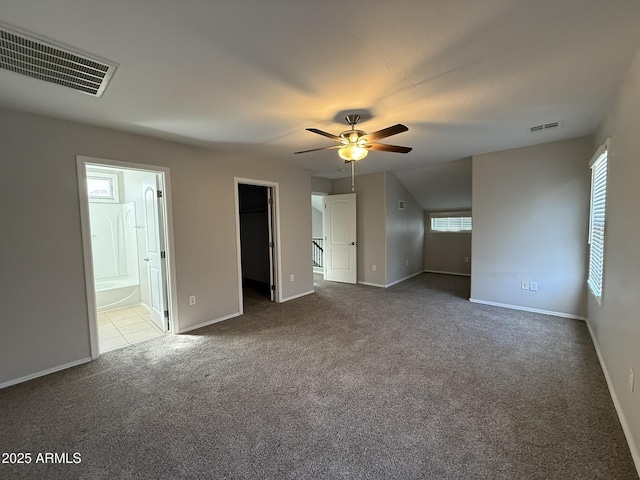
(36, 58)
(544, 126)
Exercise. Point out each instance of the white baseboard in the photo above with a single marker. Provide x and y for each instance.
(369, 284)
(44, 372)
(293, 297)
(528, 309)
(635, 454)
(210, 322)
(448, 273)
(405, 278)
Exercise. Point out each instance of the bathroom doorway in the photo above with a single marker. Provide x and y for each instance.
(125, 221)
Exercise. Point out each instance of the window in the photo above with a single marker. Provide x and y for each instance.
(450, 222)
(598, 166)
(102, 187)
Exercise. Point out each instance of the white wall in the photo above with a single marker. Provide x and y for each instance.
(616, 323)
(370, 211)
(446, 251)
(404, 232)
(317, 229)
(530, 211)
(44, 295)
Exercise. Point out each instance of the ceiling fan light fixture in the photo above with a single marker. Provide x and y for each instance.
(352, 153)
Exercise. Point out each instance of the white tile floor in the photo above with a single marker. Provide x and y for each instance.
(124, 326)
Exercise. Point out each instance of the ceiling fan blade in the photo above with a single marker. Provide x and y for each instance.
(321, 148)
(386, 132)
(326, 134)
(383, 147)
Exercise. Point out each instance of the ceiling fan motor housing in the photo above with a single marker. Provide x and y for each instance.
(352, 119)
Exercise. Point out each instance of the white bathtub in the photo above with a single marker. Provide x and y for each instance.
(118, 292)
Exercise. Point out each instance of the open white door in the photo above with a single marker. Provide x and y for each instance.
(340, 241)
(152, 194)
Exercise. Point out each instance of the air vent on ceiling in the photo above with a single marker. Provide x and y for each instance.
(544, 126)
(36, 58)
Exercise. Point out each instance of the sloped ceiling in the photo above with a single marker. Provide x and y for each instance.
(465, 76)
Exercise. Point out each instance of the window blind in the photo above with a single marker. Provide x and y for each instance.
(596, 223)
(451, 223)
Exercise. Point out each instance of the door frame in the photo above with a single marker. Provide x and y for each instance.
(81, 164)
(276, 222)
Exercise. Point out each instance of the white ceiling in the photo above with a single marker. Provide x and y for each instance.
(465, 76)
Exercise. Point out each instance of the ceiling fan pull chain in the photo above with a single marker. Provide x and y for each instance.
(353, 176)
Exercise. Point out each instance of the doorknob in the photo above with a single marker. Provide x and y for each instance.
(353, 243)
(146, 259)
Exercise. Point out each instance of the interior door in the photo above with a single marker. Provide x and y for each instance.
(155, 257)
(340, 240)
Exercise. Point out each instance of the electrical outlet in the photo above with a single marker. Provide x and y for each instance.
(533, 286)
(292, 278)
(524, 285)
(192, 300)
(373, 268)
(632, 380)
(466, 259)
(406, 262)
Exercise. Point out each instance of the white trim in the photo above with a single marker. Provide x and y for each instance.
(635, 454)
(293, 297)
(601, 149)
(528, 309)
(276, 214)
(42, 373)
(448, 273)
(403, 279)
(210, 322)
(90, 291)
(369, 284)
(172, 300)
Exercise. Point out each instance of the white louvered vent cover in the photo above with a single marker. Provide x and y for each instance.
(43, 60)
(544, 126)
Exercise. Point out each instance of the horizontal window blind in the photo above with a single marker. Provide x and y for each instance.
(451, 224)
(596, 224)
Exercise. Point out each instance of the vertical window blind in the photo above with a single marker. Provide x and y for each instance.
(596, 223)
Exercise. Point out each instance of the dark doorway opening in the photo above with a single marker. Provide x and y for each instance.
(256, 241)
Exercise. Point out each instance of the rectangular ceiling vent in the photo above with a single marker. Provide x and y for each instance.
(544, 126)
(52, 63)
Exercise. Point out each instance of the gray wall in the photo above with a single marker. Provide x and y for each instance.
(320, 185)
(43, 294)
(530, 222)
(370, 211)
(445, 251)
(404, 232)
(616, 324)
(387, 237)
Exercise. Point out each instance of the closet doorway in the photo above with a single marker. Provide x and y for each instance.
(257, 239)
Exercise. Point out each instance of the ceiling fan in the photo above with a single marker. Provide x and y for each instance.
(355, 144)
